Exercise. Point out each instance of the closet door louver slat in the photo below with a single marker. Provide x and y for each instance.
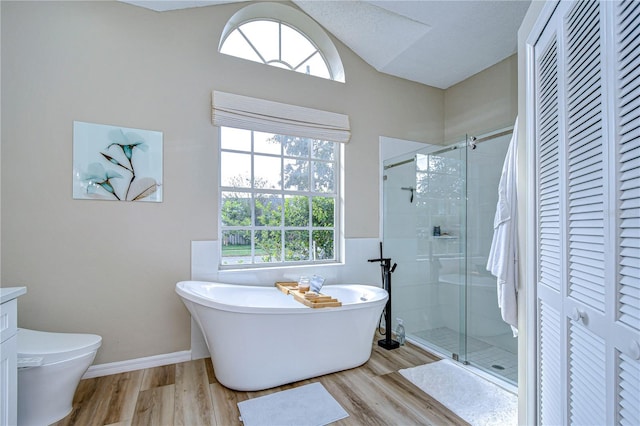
(586, 362)
(585, 151)
(550, 366)
(548, 170)
(627, 20)
(549, 237)
(629, 389)
(628, 55)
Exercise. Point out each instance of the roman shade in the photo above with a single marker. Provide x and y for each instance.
(245, 112)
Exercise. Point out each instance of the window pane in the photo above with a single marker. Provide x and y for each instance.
(236, 247)
(270, 41)
(266, 143)
(295, 46)
(322, 213)
(296, 210)
(235, 169)
(324, 150)
(295, 146)
(236, 209)
(315, 66)
(265, 37)
(323, 177)
(236, 139)
(236, 45)
(268, 246)
(296, 175)
(322, 245)
(268, 210)
(296, 245)
(260, 224)
(267, 172)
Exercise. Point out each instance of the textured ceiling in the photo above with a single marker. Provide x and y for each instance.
(438, 43)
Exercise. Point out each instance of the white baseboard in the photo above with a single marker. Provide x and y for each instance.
(100, 370)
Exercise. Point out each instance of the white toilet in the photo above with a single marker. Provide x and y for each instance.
(50, 366)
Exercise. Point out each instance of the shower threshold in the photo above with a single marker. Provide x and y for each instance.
(493, 360)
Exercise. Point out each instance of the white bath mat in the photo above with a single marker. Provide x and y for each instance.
(308, 405)
(476, 400)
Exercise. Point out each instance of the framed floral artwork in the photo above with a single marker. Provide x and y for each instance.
(116, 163)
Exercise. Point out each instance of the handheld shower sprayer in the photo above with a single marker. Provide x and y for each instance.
(409, 188)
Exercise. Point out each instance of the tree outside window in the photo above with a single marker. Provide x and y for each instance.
(278, 198)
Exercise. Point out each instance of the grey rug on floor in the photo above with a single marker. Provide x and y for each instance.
(476, 400)
(308, 405)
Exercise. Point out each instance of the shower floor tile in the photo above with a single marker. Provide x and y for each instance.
(482, 354)
(449, 340)
(498, 361)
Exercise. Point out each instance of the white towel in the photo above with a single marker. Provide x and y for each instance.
(503, 259)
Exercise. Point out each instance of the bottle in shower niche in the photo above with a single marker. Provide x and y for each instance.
(400, 335)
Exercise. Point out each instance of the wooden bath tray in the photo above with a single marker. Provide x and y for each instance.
(307, 299)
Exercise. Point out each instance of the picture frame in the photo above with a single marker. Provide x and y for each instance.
(116, 163)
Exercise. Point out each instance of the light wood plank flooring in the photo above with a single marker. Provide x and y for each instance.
(189, 394)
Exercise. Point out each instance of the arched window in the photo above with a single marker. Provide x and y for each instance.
(278, 35)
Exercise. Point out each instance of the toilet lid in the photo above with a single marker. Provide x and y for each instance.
(55, 347)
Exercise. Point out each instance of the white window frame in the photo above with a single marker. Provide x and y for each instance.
(280, 61)
(252, 114)
(282, 192)
(294, 19)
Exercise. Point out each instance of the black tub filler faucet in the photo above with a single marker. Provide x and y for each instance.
(385, 265)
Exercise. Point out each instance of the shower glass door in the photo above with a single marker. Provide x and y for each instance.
(425, 233)
(490, 342)
(439, 205)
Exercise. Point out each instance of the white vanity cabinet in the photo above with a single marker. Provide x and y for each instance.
(8, 354)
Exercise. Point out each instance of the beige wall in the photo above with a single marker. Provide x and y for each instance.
(482, 103)
(110, 267)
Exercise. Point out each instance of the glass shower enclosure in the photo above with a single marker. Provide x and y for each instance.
(438, 210)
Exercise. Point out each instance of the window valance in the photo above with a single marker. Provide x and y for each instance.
(245, 112)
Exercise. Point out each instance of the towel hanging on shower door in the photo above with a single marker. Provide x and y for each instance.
(503, 257)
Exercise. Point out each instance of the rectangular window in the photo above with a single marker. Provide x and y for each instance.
(278, 199)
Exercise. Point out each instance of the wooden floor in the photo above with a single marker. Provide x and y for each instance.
(188, 394)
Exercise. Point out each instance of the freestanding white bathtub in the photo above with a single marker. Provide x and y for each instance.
(259, 337)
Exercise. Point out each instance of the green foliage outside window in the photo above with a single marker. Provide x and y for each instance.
(292, 222)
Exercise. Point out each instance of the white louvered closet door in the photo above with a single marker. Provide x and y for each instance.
(587, 131)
